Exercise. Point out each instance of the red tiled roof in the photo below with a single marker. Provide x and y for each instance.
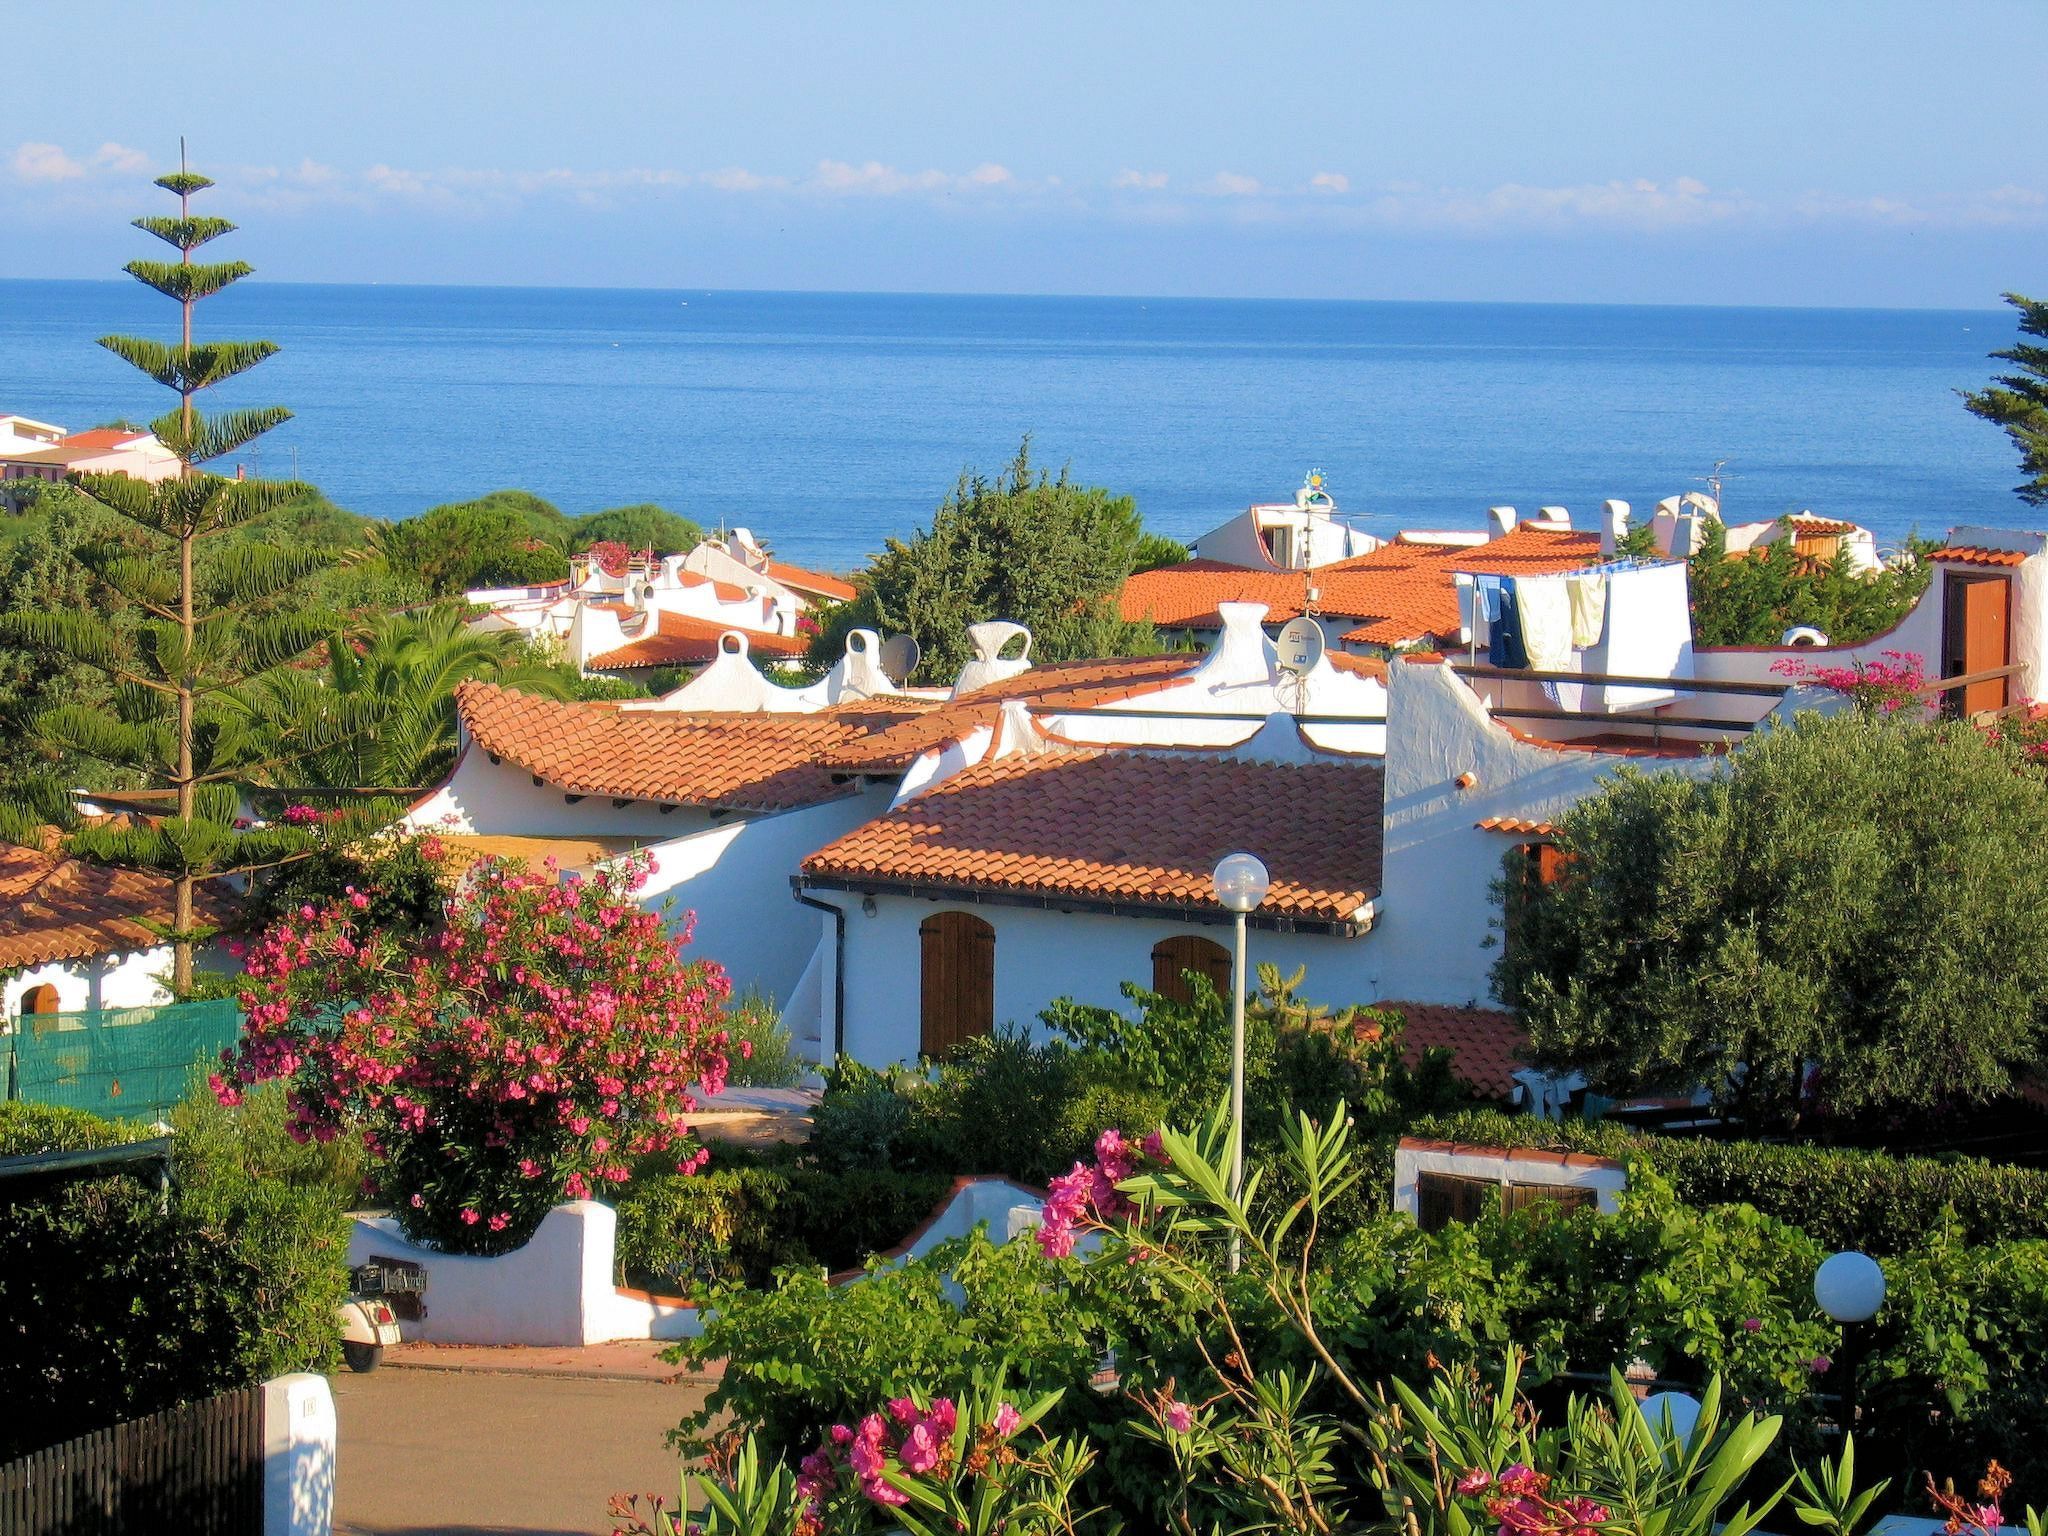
(1138, 829)
(1517, 824)
(1819, 525)
(57, 908)
(758, 762)
(1975, 554)
(1066, 684)
(1486, 1043)
(1403, 592)
(682, 640)
(1550, 1157)
(817, 583)
(101, 438)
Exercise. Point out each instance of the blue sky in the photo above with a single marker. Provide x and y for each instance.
(1783, 153)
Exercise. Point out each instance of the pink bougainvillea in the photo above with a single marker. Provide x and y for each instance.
(1888, 685)
(547, 1036)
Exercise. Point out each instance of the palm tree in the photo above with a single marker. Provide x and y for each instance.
(381, 712)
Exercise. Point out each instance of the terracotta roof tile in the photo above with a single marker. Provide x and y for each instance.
(58, 908)
(1135, 828)
(817, 583)
(1974, 554)
(101, 438)
(761, 762)
(1517, 824)
(1487, 1044)
(1066, 684)
(1403, 592)
(683, 640)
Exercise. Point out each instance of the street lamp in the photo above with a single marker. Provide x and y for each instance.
(1849, 1287)
(1241, 884)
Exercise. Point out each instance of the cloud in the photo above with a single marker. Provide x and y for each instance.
(1145, 181)
(120, 159)
(872, 178)
(45, 162)
(990, 175)
(1231, 184)
(735, 179)
(1330, 181)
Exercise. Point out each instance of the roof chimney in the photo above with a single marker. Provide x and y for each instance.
(1500, 521)
(1613, 525)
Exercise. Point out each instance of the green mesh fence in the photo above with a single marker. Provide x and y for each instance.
(124, 1063)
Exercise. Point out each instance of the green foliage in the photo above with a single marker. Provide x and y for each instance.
(28, 1129)
(1027, 547)
(117, 1304)
(2018, 401)
(505, 539)
(643, 525)
(760, 1052)
(742, 1219)
(394, 868)
(1754, 600)
(1853, 892)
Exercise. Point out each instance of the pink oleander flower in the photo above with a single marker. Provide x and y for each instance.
(1178, 1417)
(1476, 1480)
(1006, 1420)
(1820, 1365)
(1752, 1325)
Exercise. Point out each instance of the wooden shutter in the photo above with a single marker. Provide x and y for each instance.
(40, 999)
(957, 992)
(1444, 1198)
(1173, 958)
(1976, 634)
(1558, 1197)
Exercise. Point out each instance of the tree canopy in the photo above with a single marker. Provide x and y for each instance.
(2018, 401)
(1027, 546)
(1856, 892)
(1755, 599)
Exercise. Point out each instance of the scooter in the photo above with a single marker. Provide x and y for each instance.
(368, 1322)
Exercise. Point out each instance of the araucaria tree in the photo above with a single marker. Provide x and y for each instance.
(1843, 917)
(2018, 401)
(203, 626)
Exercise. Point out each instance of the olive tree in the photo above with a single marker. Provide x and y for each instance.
(1846, 914)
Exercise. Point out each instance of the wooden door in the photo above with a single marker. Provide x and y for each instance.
(1551, 1197)
(957, 991)
(1444, 1198)
(1976, 634)
(1173, 958)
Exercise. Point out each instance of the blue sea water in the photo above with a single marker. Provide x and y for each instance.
(828, 422)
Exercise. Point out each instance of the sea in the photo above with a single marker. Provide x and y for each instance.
(830, 422)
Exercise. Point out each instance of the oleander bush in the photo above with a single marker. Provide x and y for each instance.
(742, 1218)
(760, 1052)
(28, 1129)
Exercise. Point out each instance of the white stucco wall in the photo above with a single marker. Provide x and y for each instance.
(1502, 1165)
(486, 797)
(1437, 910)
(735, 877)
(1042, 955)
(123, 980)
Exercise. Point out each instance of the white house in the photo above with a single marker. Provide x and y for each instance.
(1295, 535)
(76, 936)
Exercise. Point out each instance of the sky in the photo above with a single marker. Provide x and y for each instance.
(1879, 153)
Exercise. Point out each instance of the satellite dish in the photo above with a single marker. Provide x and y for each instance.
(899, 658)
(1300, 645)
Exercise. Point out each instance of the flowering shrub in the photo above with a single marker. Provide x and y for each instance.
(1885, 686)
(1088, 1193)
(611, 557)
(547, 1034)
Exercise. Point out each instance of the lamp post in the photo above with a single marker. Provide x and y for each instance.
(1849, 1287)
(1241, 884)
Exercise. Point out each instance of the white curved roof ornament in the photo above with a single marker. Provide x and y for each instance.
(989, 664)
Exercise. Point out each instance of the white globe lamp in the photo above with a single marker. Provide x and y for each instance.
(1679, 1409)
(1241, 882)
(1849, 1287)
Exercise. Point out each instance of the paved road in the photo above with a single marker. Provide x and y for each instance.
(460, 1453)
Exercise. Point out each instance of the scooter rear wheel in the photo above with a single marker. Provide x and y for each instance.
(361, 1357)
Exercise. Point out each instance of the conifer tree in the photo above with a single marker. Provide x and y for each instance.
(202, 627)
(2018, 401)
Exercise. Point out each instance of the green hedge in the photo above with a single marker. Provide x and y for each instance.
(114, 1303)
(1842, 1197)
(741, 1220)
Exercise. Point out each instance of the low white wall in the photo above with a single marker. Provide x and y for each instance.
(300, 1434)
(1503, 1165)
(124, 980)
(556, 1290)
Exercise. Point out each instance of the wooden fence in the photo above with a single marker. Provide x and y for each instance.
(196, 1469)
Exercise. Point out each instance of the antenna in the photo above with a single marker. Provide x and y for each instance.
(1713, 481)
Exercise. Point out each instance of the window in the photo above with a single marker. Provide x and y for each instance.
(957, 982)
(1531, 869)
(1444, 1198)
(1173, 958)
